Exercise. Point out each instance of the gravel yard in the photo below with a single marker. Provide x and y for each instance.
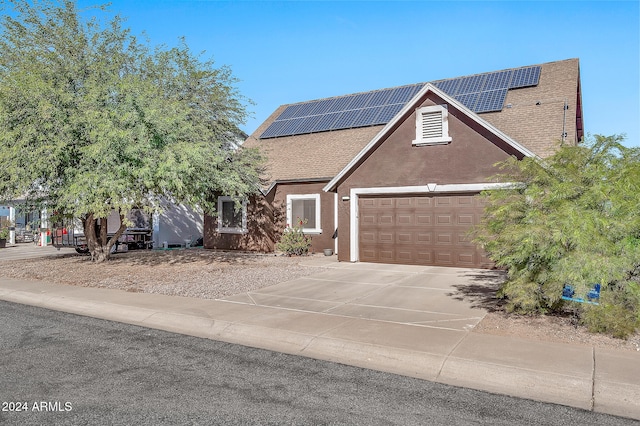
(191, 273)
(211, 275)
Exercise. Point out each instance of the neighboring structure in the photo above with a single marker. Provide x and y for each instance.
(393, 175)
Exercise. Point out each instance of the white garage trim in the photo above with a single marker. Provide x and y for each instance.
(430, 188)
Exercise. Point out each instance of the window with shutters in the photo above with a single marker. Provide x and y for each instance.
(432, 125)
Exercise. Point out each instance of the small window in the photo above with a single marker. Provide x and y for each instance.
(305, 209)
(231, 219)
(432, 125)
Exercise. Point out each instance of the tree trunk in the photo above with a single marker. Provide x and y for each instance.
(98, 241)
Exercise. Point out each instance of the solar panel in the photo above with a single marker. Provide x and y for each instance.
(367, 117)
(379, 98)
(480, 93)
(308, 124)
(345, 119)
(401, 95)
(291, 126)
(321, 107)
(471, 84)
(498, 80)
(388, 112)
(274, 130)
(327, 120)
(524, 77)
(359, 101)
(341, 104)
(447, 86)
(469, 100)
(491, 101)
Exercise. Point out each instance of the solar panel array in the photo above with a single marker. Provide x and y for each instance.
(487, 92)
(480, 93)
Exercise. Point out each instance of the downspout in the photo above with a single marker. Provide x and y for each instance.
(335, 220)
(564, 121)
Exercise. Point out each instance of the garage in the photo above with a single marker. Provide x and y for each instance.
(420, 230)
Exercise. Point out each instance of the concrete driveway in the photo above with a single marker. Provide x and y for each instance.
(445, 298)
(31, 251)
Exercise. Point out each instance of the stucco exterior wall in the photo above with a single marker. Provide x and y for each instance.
(266, 220)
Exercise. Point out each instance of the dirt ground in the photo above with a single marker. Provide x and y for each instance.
(210, 274)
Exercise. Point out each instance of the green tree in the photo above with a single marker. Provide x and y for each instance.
(92, 119)
(572, 218)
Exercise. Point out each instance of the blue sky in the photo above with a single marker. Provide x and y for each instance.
(294, 51)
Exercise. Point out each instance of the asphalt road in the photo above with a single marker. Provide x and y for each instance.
(59, 369)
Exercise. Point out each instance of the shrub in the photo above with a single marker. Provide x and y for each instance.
(293, 241)
(571, 218)
(618, 313)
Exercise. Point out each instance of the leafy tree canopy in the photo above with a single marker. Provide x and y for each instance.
(94, 120)
(571, 219)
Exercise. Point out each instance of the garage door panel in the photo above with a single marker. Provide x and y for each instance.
(466, 258)
(444, 220)
(368, 203)
(424, 219)
(404, 202)
(385, 237)
(424, 238)
(424, 257)
(385, 219)
(385, 202)
(465, 219)
(369, 255)
(444, 257)
(386, 255)
(405, 219)
(424, 202)
(443, 201)
(425, 230)
(445, 238)
(368, 219)
(405, 256)
(405, 237)
(367, 237)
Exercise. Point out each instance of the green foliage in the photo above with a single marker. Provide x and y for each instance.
(5, 227)
(618, 314)
(293, 241)
(93, 120)
(571, 218)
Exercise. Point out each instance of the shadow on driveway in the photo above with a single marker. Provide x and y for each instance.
(479, 289)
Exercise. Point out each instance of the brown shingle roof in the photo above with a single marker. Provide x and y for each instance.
(533, 116)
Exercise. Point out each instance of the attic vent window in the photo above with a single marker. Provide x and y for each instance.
(432, 126)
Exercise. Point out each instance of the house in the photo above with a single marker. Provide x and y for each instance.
(393, 175)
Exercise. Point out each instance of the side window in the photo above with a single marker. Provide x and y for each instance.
(231, 220)
(432, 125)
(305, 209)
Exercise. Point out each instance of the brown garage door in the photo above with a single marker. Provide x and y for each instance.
(420, 230)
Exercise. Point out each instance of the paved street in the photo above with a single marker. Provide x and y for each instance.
(70, 369)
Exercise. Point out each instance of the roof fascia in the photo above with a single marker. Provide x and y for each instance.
(411, 105)
(284, 181)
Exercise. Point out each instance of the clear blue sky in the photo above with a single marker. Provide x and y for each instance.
(294, 51)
